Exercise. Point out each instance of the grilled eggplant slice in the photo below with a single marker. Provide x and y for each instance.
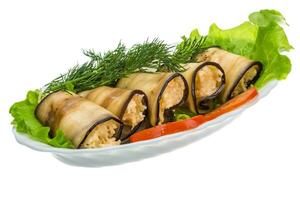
(84, 123)
(130, 106)
(206, 81)
(165, 91)
(240, 71)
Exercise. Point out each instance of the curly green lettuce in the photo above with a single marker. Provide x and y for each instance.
(261, 38)
(25, 122)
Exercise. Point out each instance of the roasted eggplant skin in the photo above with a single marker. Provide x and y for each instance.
(117, 135)
(57, 109)
(250, 65)
(116, 101)
(235, 71)
(185, 96)
(153, 90)
(145, 102)
(192, 101)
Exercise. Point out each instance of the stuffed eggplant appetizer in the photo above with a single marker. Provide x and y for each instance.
(240, 71)
(85, 124)
(130, 106)
(205, 81)
(165, 91)
(170, 88)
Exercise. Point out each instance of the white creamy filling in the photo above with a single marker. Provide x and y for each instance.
(102, 135)
(134, 112)
(208, 81)
(243, 83)
(171, 96)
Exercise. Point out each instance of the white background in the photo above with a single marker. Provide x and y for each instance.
(255, 157)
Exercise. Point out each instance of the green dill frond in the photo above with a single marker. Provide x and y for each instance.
(96, 72)
(108, 68)
(91, 54)
(155, 54)
(189, 47)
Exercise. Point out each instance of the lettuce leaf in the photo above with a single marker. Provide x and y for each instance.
(239, 40)
(183, 113)
(271, 41)
(261, 38)
(25, 122)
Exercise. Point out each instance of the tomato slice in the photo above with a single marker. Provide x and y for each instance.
(187, 124)
(167, 129)
(233, 103)
(147, 134)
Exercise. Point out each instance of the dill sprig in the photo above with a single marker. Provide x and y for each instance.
(108, 68)
(189, 47)
(155, 54)
(102, 69)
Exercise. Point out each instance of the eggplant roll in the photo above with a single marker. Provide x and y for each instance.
(165, 91)
(206, 81)
(84, 123)
(130, 106)
(240, 71)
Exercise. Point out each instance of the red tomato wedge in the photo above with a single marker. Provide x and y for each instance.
(187, 124)
(233, 103)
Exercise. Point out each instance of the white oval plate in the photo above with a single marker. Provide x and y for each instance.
(140, 150)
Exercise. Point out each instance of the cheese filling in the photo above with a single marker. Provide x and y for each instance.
(102, 135)
(134, 112)
(172, 95)
(208, 81)
(245, 81)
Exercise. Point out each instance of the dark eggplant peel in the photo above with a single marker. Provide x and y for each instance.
(205, 81)
(130, 106)
(164, 91)
(240, 71)
(84, 123)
